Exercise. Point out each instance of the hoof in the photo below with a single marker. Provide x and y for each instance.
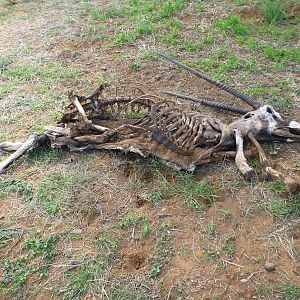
(248, 175)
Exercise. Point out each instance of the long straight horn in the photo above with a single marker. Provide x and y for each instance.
(220, 85)
(210, 103)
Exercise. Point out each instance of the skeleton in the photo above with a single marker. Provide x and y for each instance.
(128, 119)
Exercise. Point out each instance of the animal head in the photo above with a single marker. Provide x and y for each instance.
(264, 121)
(268, 125)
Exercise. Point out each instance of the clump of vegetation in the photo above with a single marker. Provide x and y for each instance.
(7, 235)
(43, 155)
(53, 192)
(290, 291)
(169, 183)
(86, 276)
(232, 24)
(19, 187)
(90, 273)
(282, 208)
(133, 218)
(194, 193)
(273, 10)
(39, 253)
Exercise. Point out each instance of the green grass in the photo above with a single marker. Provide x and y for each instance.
(36, 245)
(290, 291)
(275, 186)
(54, 72)
(228, 246)
(233, 25)
(194, 193)
(7, 235)
(283, 208)
(43, 155)
(53, 192)
(273, 11)
(140, 18)
(90, 274)
(14, 274)
(18, 187)
(106, 244)
(125, 291)
(38, 253)
(169, 183)
(86, 276)
(133, 218)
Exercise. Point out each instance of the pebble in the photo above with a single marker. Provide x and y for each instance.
(76, 231)
(270, 266)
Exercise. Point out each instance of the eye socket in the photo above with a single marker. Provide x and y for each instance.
(248, 116)
(269, 110)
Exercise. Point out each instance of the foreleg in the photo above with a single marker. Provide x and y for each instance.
(240, 159)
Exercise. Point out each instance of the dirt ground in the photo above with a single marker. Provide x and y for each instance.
(245, 244)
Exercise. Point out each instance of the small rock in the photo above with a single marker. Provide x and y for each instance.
(270, 266)
(77, 231)
(103, 68)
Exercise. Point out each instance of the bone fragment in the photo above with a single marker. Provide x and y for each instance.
(34, 141)
(82, 113)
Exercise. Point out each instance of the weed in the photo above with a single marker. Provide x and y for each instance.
(232, 24)
(53, 192)
(154, 196)
(192, 191)
(123, 37)
(273, 11)
(275, 186)
(106, 244)
(5, 61)
(126, 292)
(19, 187)
(210, 253)
(228, 246)
(171, 36)
(87, 276)
(102, 14)
(16, 271)
(284, 208)
(200, 6)
(14, 274)
(211, 228)
(163, 252)
(297, 164)
(41, 246)
(146, 229)
(132, 219)
(43, 155)
(290, 291)
(149, 54)
(136, 66)
(7, 235)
